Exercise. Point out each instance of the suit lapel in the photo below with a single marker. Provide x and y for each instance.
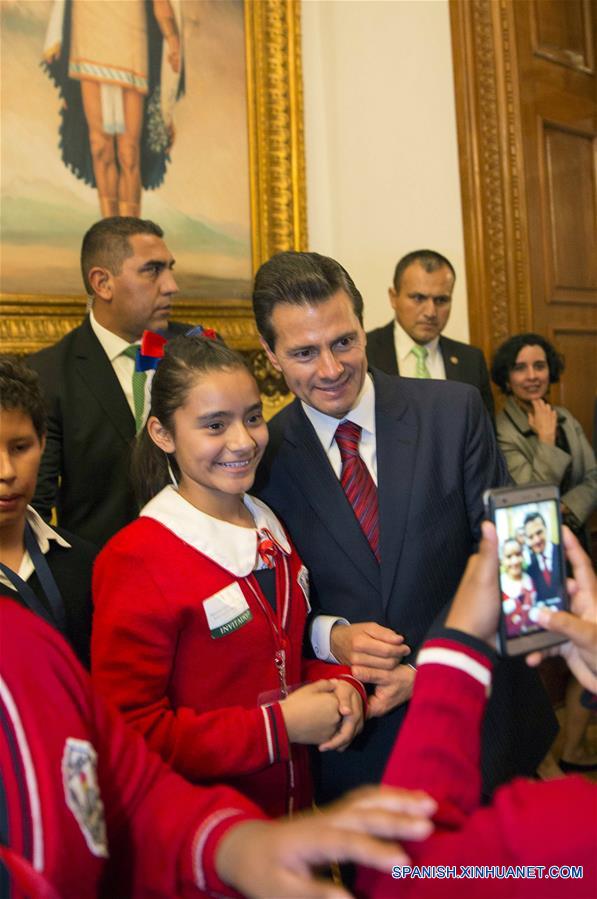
(387, 360)
(94, 367)
(306, 462)
(452, 362)
(396, 440)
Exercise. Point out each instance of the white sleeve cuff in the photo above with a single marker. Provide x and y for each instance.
(321, 628)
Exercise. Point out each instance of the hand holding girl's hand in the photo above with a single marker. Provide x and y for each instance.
(350, 707)
(544, 421)
(311, 713)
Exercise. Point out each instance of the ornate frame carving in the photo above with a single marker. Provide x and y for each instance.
(278, 202)
(491, 169)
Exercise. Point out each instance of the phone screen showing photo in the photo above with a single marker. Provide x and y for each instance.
(531, 569)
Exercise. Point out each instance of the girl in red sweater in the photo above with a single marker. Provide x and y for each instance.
(200, 604)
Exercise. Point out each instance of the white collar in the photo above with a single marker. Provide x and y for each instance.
(231, 546)
(43, 532)
(362, 414)
(514, 588)
(112, 344)
(405, 343)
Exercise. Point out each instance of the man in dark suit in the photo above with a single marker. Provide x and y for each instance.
(384, 559)
(95, 400)
(544, 568)
(412, 344)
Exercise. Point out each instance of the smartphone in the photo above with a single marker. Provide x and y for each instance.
(532, 571)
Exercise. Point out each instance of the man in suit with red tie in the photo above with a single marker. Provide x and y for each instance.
(544, 568)
(413, 344)
(380, 482)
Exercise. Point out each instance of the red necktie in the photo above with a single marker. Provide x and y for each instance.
(357, 483)
(546, 571)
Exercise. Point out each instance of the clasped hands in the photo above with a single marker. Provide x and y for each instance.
(326, 713)
(375, 654)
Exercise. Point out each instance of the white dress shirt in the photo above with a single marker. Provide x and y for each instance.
(43, 533)
(363, 414)
(407, 361)
(546, 557)
(123, 366)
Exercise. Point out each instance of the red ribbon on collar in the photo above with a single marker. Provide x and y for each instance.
(267, 548)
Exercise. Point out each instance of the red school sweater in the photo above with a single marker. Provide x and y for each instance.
(525, 843)
(89, 811)
(195, 657)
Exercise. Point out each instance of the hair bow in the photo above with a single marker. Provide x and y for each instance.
(151, 351)
(200, 331)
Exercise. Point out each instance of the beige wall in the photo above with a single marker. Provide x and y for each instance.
(382, 159)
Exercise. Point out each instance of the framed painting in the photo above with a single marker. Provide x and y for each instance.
(219, 149)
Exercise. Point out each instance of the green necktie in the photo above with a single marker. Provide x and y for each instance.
(421, 353)
(139, 378)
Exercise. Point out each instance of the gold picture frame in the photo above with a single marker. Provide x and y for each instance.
(277, 194)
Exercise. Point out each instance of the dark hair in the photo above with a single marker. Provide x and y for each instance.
(427, 259)
(506, 355)
(186, 358)
(107, 243)
(530, 516)
(20, 390)
(299, 279)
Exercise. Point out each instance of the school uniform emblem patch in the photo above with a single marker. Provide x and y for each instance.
(82, 794)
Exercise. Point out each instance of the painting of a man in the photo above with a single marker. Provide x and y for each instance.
(142, 102)
(119, 69)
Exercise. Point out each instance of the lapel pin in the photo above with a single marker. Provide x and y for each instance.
(454, 360)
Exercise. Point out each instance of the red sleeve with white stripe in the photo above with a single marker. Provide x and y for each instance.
(439, 746)
(314, 670)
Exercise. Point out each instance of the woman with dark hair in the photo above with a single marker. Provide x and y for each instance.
(46, 569)
(540, 442)
(546, 444)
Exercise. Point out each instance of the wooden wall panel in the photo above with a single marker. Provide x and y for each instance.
(561, 32)
(577, 389)
(569, 223)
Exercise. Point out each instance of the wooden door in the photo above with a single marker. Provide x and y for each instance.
(558, 107)
(526, 104)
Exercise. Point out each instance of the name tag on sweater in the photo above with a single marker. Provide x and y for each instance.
(226, 611)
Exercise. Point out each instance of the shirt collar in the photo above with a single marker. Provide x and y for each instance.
(547, 553)
(112, 344)
(229, 545)
(404, 343)
(43, 532)
(362, 414)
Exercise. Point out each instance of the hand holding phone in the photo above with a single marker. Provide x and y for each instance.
(531, 564)
(580, 628)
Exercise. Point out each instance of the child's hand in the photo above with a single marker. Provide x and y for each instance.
(350, 706)
(311, 713)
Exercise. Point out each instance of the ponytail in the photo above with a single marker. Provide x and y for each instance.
(149, 468)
